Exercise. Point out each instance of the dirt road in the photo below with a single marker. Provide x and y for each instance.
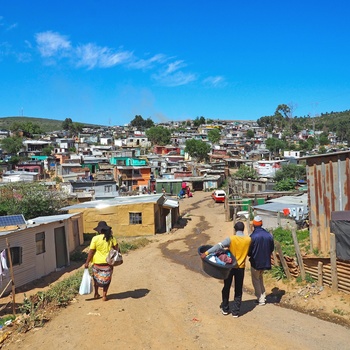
(159, 298)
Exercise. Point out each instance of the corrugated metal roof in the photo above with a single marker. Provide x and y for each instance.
(147, 198)
(276, 207)
(278, 204)
(294, 200)
(50, 218)
(40, 220)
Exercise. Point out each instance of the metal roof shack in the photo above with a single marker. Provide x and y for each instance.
(328, 180)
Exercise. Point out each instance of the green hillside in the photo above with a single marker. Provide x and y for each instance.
(47, 125)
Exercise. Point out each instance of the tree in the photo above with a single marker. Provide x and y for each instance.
(12, 145)
(67, 124)
(288, 175)
(46, 151)
(283, 111)
(307, 145)
(77, 127)
(140, 123)
(149, 123)
(250, 134)
(30, 199)
(159, 135)
(199, 121)
(214, 135)
(28, 128)
(197, 149)
(290, 171)
(72, 127)
(322, 150)
(137, 122)
(285, 185)
(323, 139)
(274, 145)
(245, 172)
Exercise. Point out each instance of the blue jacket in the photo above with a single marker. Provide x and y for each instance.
(261, 249)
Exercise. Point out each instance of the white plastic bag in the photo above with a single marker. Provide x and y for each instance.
(86, 283)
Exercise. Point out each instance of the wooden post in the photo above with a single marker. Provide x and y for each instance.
(298, 253)
(320, 274)
(12, 279)
(333, 255)
(235, 214)
(283, 261)
(227, 209)
(275, 260)
(234, 217)
(278, 219)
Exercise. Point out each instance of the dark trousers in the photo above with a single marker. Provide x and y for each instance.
(239, 277)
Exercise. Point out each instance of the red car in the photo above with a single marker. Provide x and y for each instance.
(219, 196)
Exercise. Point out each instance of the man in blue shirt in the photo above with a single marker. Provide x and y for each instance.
(260, 251)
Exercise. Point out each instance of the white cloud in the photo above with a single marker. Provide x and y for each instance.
(24, 57)
(148, 63)
(12, 26)
(175, 79)
(52, 44)
(217, 81)
(92, 56)
(174, 66)
(7, 27)
(28, 44)
(171, 75)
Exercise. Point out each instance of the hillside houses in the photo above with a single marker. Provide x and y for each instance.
(125, 157)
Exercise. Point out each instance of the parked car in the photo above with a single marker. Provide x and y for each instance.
(219, 196)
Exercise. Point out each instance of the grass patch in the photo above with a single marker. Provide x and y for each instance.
(285, 238)
(78, 255)
(277, 272)
(34, 308)
(339, 312)
(6, 318)
(308, 279)
(126, 246)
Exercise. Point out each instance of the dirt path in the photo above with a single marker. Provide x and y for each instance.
(159, 298)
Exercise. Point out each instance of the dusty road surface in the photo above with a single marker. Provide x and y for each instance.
(160, 299)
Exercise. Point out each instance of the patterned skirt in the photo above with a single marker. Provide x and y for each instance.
(102, 274)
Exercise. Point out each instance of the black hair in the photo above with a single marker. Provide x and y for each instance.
(239, 226)
(107, 234)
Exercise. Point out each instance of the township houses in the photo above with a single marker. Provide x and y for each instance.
(130, 216)
(39, 246)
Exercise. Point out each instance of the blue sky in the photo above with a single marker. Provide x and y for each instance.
(106, 61)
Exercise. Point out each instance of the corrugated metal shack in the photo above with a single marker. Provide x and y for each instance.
(328, 177)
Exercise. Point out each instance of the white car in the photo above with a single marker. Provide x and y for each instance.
(219, 196)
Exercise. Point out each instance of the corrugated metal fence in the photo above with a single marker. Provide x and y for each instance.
(343, 272)
(328, 179)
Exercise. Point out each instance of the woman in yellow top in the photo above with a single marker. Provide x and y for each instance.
(99, 248)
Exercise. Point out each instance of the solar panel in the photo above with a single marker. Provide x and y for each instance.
(12, 220)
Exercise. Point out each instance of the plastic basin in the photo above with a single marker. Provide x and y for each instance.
(212, 269)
